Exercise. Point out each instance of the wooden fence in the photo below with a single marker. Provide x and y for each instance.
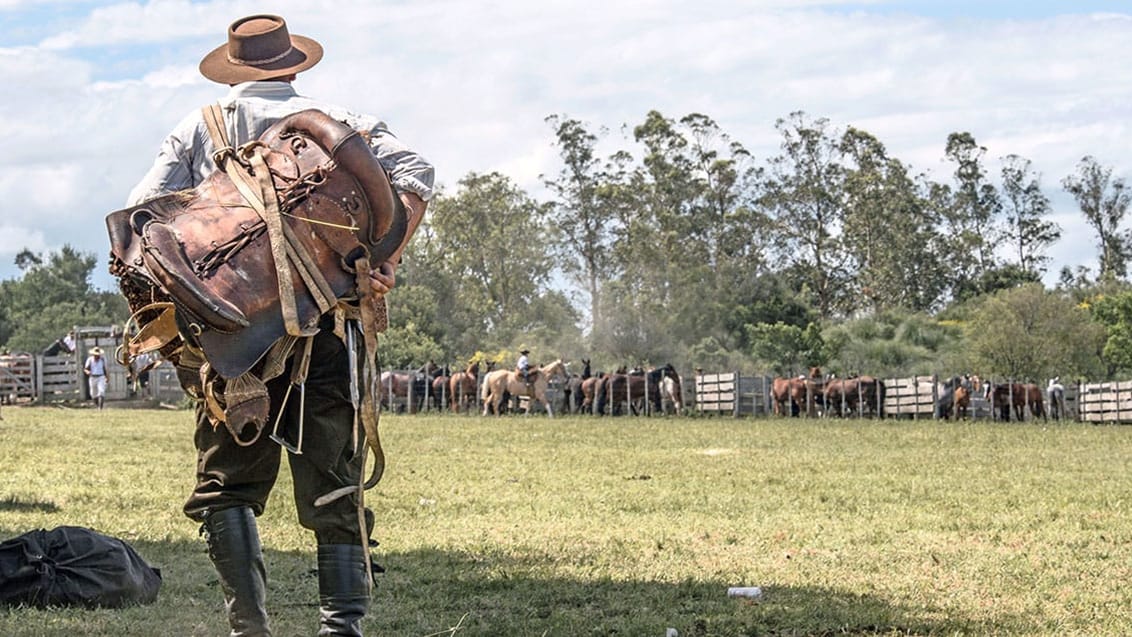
(915, 397)
(1105, 402)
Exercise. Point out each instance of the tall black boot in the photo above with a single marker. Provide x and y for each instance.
(343, 590)
(233, 545)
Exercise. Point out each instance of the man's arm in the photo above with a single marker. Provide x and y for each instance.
(384, 277)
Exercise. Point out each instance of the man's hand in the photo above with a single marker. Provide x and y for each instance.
(383, 278)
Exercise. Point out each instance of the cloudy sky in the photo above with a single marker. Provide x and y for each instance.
(92, 87)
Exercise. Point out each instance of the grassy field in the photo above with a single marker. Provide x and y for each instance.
(571, 526)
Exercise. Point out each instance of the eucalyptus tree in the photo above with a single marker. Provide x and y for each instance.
(1104, 201)
(801, 194)
(1026, 208)
(888, 230)
(686, 249)
(495, 241)
(971, 221)
(584, 214)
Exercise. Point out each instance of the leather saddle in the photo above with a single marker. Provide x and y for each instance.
(219, 255)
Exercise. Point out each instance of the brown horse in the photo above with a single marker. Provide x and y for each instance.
(859, 395)
(412, 386)
(462, 387)
(439, 390)
(797, 392)
(589, 390)
(1016, 395)
(632, 387)
(506, 381)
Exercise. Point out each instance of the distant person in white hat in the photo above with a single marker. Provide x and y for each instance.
(95, 370)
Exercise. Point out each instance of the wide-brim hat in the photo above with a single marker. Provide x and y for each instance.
(524, 351)
(259, 48)
(97, 351)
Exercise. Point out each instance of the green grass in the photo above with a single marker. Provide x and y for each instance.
(572, 526)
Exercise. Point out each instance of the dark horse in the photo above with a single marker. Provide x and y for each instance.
(572, 396)
(438, 392)
(860, 395)
(618, 388)
(413, 386)
(1016, 395)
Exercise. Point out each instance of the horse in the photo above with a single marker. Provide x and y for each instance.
(462, 387)
(572, 396)
(1055, 393)
(1016, 395)
(412, 386)
(854, 395)
(633, 386)
(947, 397)
(672, 390)
(589, 390)
(502, 381)
(800, 391)
(439, 390)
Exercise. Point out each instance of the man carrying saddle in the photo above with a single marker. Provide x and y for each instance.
(322, 431)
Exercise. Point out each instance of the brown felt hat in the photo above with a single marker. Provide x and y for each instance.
(259, 48)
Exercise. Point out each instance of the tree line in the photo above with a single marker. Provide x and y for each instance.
(683, 247)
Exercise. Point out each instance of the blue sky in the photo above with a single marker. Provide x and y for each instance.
(94, 86)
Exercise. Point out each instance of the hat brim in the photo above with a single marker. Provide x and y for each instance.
(304, 54)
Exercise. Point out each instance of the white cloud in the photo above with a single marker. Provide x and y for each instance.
(470, 84)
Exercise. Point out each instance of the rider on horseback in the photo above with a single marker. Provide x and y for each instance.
(523, 366)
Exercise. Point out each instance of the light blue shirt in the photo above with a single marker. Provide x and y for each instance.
(250, 108)
(97, 366)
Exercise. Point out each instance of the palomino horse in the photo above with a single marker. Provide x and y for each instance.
(797, 392)
(633, 387)
(859, 395)
(462, 387)
(506, 381)
(1016, 395)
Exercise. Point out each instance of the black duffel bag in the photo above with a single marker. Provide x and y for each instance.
(74, 566)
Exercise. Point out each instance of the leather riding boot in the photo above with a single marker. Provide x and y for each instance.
(233, 546)
(343, 591)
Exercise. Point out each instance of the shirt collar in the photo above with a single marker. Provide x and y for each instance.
(271, 90)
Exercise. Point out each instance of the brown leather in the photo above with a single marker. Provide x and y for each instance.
(208, 251)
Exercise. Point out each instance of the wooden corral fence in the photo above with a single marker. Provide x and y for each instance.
(17, 377)
(1104, 402)
(913, 397)
(731, 393)
(60, 378)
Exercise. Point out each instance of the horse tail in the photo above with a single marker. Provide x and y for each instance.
(599, 396)
(485, 389)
